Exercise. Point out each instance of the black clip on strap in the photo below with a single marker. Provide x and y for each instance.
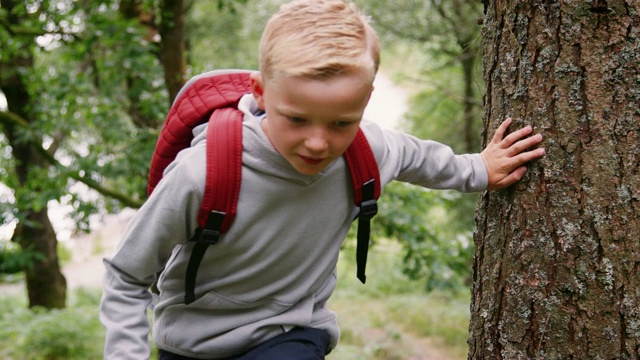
(368, 209)
(203, 238)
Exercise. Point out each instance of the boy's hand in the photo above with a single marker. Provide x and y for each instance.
(505, 158)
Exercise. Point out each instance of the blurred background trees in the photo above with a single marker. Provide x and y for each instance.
(432, 49)
(87, 86)
(84, 94)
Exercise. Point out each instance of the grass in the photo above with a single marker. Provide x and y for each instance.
(72, 333)
(389, 318)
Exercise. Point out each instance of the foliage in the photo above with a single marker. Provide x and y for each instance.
(229, 4)
(431, 49)
(433, 227)
(80, 83)
(220, 39)
(435, 47)
(13, 259)
(73, 333)
(113, 66)
(436, 238)
(435, 107)
(80, 80)
(444, 24)
(101, 96)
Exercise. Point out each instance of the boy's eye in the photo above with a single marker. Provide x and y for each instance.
(296, 120)
(342, 123)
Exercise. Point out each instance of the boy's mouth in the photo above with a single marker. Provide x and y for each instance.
(311, 161)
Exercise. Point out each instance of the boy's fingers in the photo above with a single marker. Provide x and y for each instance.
(525, 157)
(516, 175)
(510, 179)
(526, 143)
(499, 134)
(516, 136)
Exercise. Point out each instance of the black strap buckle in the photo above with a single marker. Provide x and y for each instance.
(368, 209)
(211, 233)
(207, 236)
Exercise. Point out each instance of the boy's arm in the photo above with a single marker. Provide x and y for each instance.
(123, 313)
(165, 220)
(505, 156)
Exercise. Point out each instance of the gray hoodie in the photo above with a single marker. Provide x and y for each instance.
(276, 267)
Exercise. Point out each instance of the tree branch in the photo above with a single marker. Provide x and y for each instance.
(11, 118)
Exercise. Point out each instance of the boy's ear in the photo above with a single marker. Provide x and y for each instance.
(257, 88)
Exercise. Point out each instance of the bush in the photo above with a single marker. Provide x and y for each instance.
(38, 334)
(14, 260)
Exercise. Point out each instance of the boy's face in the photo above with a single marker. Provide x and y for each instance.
(312, 122)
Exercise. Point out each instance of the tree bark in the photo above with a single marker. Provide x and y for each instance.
(557, 255)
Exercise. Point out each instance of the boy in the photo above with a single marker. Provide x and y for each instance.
(262, 289)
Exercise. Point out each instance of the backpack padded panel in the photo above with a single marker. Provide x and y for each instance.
(193, 107)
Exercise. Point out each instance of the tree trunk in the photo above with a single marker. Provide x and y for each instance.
(557, 255)
(136, 9)
(46, 286)
(469, 101)
(45, 283)
(172, 45)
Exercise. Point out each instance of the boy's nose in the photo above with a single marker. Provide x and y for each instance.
(317, 141)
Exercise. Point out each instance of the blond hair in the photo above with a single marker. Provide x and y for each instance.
(318, 39)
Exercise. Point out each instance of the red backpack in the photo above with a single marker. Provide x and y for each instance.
(213, 97)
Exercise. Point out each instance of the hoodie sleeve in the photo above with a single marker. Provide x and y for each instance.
(164, 221)
(426, 163)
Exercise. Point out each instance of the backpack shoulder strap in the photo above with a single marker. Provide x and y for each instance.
(221, 191)
(224, 167)
(211, 97)
(365, 178)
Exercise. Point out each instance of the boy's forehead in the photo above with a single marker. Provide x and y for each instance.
(343, 97)
(364, 77)
(307, 111)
